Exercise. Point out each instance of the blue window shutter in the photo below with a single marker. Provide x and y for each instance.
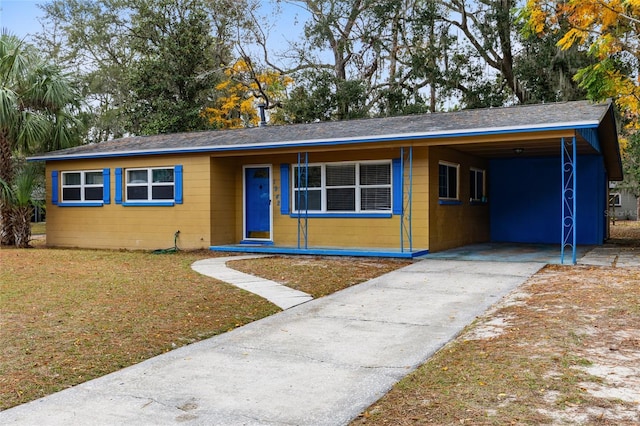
(54, 187)
(178, 184)
(106, 186)
(118, 196)
(284, 189)
(397, 185)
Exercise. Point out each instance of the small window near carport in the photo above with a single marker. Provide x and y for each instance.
(448, 174)
(477, 185)
(615, 200)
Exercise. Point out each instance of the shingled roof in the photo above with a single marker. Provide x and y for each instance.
(552, 116)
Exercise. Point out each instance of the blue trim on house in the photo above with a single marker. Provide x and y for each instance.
(257, 242)
(118, 196)
(449, 202)
(106, 186)
(353, 252)
(177, 178)
(398, 184)
(344, 215)
(149, 204)
(313, 143)
(478, 203)
(54, 187)
(591, 136)
(92, 204)
(285, 189)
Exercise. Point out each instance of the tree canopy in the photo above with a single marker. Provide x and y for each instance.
(38, 109)
(609, 30)
(168, 66)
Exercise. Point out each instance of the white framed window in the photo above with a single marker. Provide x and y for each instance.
(343, 187)
(150, 184)
(615, 200)
(477, 184)
(82, 186)
(448, 178)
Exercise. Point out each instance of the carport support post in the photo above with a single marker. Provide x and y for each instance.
(303, 221)
(406, 232)
(569, 196)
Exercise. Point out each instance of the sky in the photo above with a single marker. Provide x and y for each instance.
(20, 17)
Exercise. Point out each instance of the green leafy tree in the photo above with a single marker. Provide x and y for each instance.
(91, 39)
(37, 107)
(147, 66)
(174, 76)
(323, 97)
(547, 72)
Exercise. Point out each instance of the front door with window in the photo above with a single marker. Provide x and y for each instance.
(257, 203)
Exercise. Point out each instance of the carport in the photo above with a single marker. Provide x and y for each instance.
(550, 185)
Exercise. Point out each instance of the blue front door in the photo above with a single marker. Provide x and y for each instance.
(257, 203)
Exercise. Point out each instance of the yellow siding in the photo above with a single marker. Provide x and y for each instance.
(142, 227)
(341, 232)
(224, 191)
(212, 213)
(456, 225)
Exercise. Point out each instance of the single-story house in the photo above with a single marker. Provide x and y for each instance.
(623, 204)
(397, 186)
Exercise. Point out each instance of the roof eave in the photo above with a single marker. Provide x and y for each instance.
(591, 124)
(611, 146)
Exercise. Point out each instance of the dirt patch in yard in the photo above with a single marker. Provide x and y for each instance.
(315, 275)
(564, 349)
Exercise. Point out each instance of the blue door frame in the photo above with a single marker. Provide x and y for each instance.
(257, 203)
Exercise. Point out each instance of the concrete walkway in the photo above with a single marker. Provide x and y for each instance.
(319, 363)
(278, 294)
(611, 255)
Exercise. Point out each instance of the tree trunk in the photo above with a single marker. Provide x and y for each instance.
(6, 226)
(22, 225)
(6, 174)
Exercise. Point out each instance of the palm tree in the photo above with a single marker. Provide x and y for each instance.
(36, 106)
(20, 202)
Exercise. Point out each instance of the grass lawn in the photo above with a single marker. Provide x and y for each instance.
(67, 316)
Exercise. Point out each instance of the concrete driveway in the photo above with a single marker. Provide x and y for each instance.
(319, 363)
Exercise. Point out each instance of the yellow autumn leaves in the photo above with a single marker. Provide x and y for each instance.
(609, 29)
(240, 93)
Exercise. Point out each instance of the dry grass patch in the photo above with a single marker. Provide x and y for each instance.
(317, 276)
(564, 349)
(71, 315)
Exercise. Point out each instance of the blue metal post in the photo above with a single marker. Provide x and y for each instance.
(303, 221)
(569, 199)
(299, 196)
(402, 186)
(410, 198)
(575, 199)
(306, 200)
(562, 155)
(406, 231)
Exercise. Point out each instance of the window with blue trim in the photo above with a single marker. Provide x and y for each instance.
(363, 187)
(86, 186)
(150, 184)
(448, 181)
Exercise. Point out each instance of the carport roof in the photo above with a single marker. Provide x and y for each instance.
(578, 115)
